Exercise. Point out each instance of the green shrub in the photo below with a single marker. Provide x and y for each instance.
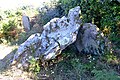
(9, 26)
(103, 13)
(22, 37)
(34, 66)
(9, 30)
(105, 75)
(48, 12)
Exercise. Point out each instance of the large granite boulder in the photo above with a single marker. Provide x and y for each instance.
(56, 36)
(60, 33)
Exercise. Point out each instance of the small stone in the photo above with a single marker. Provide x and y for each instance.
(19, 65)
(26, 22)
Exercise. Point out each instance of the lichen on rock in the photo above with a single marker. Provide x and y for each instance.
(56, 36)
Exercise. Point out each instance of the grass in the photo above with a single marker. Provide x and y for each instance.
(82, 67)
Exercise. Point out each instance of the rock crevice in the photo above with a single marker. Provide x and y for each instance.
(58, 34)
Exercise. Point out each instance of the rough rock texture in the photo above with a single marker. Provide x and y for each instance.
(88, 40)
(56, 36)
(26, 22)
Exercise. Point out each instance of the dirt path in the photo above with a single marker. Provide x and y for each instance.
(5, 50)
(6, 53)
(7, 72)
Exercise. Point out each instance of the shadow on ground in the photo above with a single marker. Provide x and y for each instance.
(5, 62)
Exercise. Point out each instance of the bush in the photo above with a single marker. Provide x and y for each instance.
(34, 66)
(10, 26)
(103, 13)
(105, 75)
(9, 30)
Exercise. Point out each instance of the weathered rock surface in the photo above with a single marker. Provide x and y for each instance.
(88, 40)
(26, 22)
(56, 36)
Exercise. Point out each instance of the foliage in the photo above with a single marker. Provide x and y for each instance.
(34, 65)
(9, 27)
(22, 37)
(83, 68)
(78, 67)
(48, 12)
(65, 70)
(9, 30)
(105, 75)
(103, 13)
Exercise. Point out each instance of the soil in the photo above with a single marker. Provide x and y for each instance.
(7, 72)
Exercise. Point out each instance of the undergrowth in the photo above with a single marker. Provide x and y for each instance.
(69, 66)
